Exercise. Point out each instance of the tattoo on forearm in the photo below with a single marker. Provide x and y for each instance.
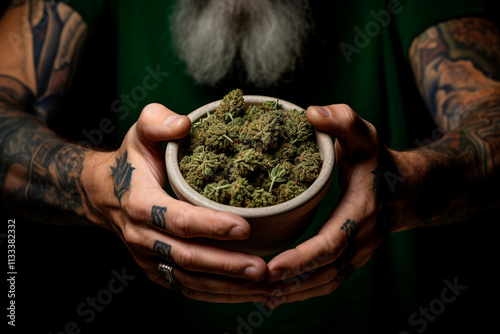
(122, 174)
(455, 64)
(163, 249)
(457, 69)
(158, 215)
(38, 169)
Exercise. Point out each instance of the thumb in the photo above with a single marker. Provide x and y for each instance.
(353, 133)
(157, 123)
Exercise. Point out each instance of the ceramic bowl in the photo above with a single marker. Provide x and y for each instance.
(273, 228)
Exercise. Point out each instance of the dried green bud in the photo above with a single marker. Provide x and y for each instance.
(201, 166)
(308, 166)
(233, 103)
(297, 127)
(286, 152)
(260, 198)
(240, 192)
(217, 139)
(217, 191)
(290, 190)
(250, 156)
(263, 133)
(247, 161)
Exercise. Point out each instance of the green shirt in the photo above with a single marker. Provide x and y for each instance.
(358, 57)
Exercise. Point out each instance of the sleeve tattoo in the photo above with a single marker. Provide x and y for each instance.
(457, 67)
(37, 168)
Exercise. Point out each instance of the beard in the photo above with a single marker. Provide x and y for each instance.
(258, 40)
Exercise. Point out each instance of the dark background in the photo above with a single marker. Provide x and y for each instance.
(60, 267)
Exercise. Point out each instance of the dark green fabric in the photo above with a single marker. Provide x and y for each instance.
(358, 57)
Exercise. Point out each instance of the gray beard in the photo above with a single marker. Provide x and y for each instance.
(261, 40)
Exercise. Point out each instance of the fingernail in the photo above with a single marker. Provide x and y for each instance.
(251, 272)
(237, 233)
(170, 122)
(324, 111)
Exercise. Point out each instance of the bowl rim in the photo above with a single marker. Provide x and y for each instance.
(323, 140)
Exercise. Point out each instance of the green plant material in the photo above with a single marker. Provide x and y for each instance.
(297, 128)
(276, 175)
(250, 156)
(201, 166)
(261, 198)
(289, 190)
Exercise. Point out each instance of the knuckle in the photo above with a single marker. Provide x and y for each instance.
(133, 237)
(218, 228)
(186, 258)
(348, 117)
(180, 224)
(133, 208)
(332, 249)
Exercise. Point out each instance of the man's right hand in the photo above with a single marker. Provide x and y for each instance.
(125, 188)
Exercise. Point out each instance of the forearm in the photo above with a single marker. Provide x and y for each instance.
(451, 179)
(41, 174)
(456, 176)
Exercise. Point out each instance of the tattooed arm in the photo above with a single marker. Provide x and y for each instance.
(40, 175)
(456, 65)
(45, 178)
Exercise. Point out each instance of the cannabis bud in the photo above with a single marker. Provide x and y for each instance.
(250, 156)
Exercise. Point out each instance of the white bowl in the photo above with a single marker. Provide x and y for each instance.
(273, 228)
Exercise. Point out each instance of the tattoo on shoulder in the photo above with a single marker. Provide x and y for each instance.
(163, 249)
(122, 174)
(158, 215)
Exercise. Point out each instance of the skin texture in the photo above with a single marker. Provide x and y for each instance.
(383, 191)
(455, 65)
(119, 190)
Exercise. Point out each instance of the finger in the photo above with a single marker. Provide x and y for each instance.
(194, 257)
(212, 289)
(157, 123)
(339, 120)
(153, 207)
(307, 280)
(326, 246)
(221, 298)
(314, 291)
(220, 285)
(311, 254)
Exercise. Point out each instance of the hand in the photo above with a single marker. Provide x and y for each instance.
(351, 234)
(156, 227)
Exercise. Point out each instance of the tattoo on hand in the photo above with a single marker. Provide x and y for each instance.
(163, 250)
(350, 227)
(158, 215)
(122, 174)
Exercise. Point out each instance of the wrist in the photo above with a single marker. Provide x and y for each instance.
(97, 185)
(399, 179)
